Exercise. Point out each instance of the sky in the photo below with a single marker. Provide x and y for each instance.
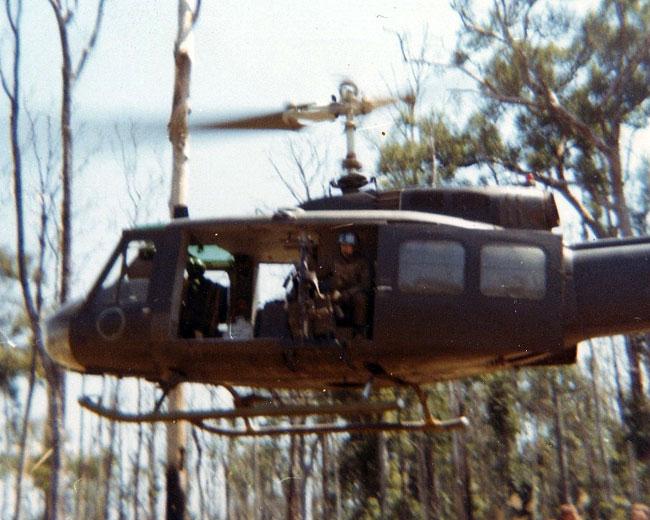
(249, 56)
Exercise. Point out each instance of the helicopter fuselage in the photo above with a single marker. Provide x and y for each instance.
(450, 297)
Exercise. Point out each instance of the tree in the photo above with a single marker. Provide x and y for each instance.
(569, 93)
(32, 286)
(304, 173)
(71, 70)
(31, 299)
(571, 90)
(534, 121)
(188, 11)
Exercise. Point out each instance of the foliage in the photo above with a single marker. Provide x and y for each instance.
(14, 363)
(552, 107)
(561, 90)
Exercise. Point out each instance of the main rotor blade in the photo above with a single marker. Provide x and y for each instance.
(269, 121)
(368, 105)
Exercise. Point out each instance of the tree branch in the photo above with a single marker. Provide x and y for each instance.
(92, 40)
(286, 183)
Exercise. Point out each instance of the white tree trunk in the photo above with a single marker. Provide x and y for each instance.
(178, 133)
(178, 136)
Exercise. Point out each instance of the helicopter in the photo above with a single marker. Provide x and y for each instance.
(462, 281)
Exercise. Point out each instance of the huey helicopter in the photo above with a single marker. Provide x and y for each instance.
(462, 281)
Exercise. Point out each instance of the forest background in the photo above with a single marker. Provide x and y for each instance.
(507, 92)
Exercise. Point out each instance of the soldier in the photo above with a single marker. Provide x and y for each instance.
(569, 512)
(350, 283)
(640, 512)
(203, 305)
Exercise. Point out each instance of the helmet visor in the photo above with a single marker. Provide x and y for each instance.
(348, 238)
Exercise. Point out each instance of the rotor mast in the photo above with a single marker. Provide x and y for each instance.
(351, 180)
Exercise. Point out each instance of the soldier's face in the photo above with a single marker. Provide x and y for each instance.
(347, 250)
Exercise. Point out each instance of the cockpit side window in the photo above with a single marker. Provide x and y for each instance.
(432, 267)
(513, 271)
(127, 280)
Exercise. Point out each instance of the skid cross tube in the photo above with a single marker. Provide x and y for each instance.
(198, 418)
(318, 429)
(359, 408)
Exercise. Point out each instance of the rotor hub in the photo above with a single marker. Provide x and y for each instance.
(351, 182)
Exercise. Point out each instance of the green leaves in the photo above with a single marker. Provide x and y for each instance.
(14, 362)
(8, 267)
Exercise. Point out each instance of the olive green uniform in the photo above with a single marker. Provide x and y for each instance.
(351, 278)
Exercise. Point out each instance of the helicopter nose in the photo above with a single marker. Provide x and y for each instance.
(57, 336)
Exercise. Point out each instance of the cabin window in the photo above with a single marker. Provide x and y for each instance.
(513, 271)
(432, 267)
(127, 280)
(273, 281)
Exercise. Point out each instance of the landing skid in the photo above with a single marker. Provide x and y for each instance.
(245, 409)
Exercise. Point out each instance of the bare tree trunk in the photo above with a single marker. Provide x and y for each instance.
(604, 460)
(633, 350)
(109, 458)
(39, 278)
(188, 11)
(100, 497)
(583, 408)
(152, 473)
(216, 509)
(122, 502)
(291, 483)
(55, 377)
(308, 456)
(382, 463)
(229, 486)
(633, 344)
(306, 463)
(9, 404)
(57, 388)
(22, 443)
(463, 487)
(257, 482)
(66, 153)
(82, 455)
(424, 487)
(178, 135)
(617, 182)
(13, 93)
(176, 473)
(432, 479)
(563, 491)
(631, 456)
(327, 507)
(136, 461)
(199, 465)
(337, 484)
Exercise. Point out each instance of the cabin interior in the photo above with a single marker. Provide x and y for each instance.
(239, 284)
